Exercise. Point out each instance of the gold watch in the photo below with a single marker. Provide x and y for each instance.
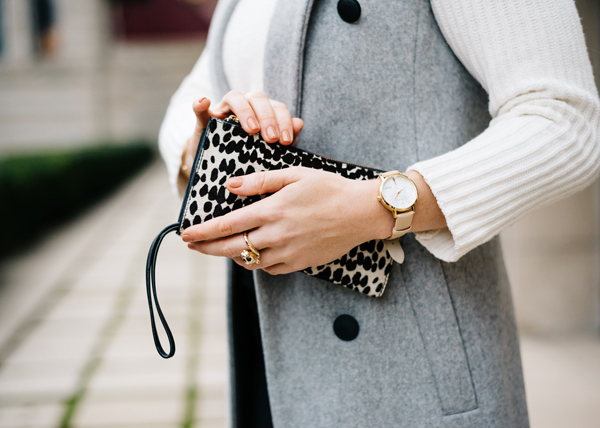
(398, 193)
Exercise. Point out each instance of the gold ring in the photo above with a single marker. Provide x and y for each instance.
(251, 257)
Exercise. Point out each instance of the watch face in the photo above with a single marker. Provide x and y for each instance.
(399, 192)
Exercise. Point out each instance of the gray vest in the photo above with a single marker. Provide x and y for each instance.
(440, 348)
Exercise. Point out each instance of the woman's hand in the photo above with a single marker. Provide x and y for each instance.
(312, 218)
(255, 111)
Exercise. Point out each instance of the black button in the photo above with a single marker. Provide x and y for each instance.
(346, 327)
(349, 10)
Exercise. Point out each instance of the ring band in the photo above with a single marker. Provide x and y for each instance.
(251, 257)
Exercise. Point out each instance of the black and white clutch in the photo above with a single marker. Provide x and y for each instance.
(226, 150)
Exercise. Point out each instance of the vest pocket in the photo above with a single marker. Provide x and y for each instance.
(438, 326)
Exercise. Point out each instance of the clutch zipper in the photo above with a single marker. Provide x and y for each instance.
(233, 120)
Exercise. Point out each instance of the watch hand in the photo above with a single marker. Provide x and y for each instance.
(400, 191)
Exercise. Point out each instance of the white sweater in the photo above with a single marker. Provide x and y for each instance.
(541, 145)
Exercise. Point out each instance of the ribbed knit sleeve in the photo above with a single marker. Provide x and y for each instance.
(542, 143)
(179, 122)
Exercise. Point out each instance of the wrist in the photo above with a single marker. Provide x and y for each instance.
(375, 218)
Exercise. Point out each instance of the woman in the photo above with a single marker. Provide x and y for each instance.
(396, 85)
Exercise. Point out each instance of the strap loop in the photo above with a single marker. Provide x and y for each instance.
(151, 290)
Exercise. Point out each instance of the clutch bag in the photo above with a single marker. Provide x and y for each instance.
(226, 150)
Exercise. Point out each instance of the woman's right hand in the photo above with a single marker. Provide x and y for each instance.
(256, 113)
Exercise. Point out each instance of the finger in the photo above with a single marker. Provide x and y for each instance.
(269, 128)
(232, 250)
(277, 269)
(284, 121)
(263, 182)
(235, 102)
(200, 108)
(238, 221)
(230, 246)
(297, 124)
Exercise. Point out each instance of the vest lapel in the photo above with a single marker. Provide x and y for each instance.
(284, 52)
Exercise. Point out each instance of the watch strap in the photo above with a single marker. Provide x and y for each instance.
(403, 224)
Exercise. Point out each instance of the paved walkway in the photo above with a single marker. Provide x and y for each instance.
(76, 348)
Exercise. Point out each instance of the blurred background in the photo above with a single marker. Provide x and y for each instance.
(84, 85)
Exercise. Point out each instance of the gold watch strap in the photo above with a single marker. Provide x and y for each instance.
(403, 224)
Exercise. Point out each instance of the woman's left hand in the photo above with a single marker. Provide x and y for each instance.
(312, 218)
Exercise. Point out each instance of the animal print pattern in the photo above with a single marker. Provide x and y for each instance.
(227, 150)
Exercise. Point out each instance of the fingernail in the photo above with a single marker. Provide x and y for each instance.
(285, 137)
(252, 124)
(191, 246)
(201, 99)
(271, 132)
(234, 182)
(186, 237)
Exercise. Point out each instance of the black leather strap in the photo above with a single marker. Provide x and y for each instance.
(151, 290)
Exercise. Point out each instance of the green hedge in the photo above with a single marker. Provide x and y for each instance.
(39, 191)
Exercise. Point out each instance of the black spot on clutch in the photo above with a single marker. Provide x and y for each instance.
(204, 190)
(366, 290)
(230, 167)
(197, 219)
(212, 126)
(193, 207)
(207, 206)
(367, 263)
(214, 174)
(238, 204)
(196, 179)
(231, 198)
(216, 140)
(186, 224)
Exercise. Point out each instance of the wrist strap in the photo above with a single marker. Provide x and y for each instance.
(151, 291)
(403, 224)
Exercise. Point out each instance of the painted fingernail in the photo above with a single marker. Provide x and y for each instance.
(285, 137)
(252, 124)
(271, 132)
(234, 182)
(186, 237)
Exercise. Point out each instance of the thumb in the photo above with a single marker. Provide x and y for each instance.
(200, 108)
(262, 182)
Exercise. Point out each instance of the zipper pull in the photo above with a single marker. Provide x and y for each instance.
(232, 118)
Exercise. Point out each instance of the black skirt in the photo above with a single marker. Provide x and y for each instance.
(251, 409)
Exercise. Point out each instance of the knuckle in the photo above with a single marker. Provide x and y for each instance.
(225, 228)
(271, 271)
(231, 94)
(260, 180)
(256, 95)
(229, 251)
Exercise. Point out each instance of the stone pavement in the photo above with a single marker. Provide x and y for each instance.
(75, 341)
(76, 349)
